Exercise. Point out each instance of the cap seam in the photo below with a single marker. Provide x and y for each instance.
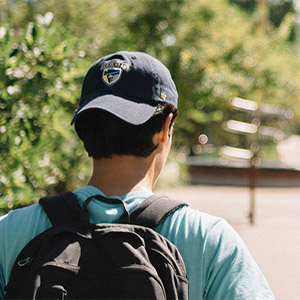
(157, 80)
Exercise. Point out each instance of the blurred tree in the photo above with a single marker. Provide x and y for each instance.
(212, 48)
(39, 72)
(276, 9)
(236, 60)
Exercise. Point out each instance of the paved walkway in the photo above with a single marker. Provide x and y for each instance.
(274, 239)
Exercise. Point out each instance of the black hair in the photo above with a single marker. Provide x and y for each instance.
(103, 134)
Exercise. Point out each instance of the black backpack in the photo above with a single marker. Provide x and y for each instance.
(78, 260)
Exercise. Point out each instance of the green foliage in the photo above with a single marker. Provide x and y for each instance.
(277, 9)
(212, 48)
(40, 74)
(227, 57)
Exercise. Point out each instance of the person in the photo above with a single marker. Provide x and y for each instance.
(125, 119)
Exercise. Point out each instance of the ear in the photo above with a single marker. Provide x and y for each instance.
(164, 135)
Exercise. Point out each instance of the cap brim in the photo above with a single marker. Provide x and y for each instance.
(127, 110)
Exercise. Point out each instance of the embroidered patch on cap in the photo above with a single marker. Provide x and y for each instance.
(112, 71)
(111, 75)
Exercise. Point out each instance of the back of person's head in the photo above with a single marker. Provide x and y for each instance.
(125, 99)
(104, 134)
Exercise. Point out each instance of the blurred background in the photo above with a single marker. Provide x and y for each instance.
(236, 67)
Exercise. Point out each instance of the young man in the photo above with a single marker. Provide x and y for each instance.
(125, 118)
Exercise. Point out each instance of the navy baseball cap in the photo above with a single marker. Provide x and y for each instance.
(129, 85)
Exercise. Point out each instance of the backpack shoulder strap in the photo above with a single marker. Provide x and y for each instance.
(64, 208)
(61, 208)
(154, 210)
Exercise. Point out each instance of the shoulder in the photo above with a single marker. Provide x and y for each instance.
(219, 265)
(198, 234)
(193, 223)
(17, 228)
(21, 225)
(15, 219)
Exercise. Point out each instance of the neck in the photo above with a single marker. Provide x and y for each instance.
(121, 174)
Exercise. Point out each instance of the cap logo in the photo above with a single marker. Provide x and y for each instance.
(112, 71)
(111, 76)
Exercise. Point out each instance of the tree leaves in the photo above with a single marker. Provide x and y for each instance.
(39, 91)
(212, 48)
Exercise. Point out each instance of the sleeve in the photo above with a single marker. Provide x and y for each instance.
(17, 228)
(2, 254)
(1, 284)
(218, 264)
(230, 270)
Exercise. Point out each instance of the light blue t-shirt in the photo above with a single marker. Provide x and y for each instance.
(219, 266)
